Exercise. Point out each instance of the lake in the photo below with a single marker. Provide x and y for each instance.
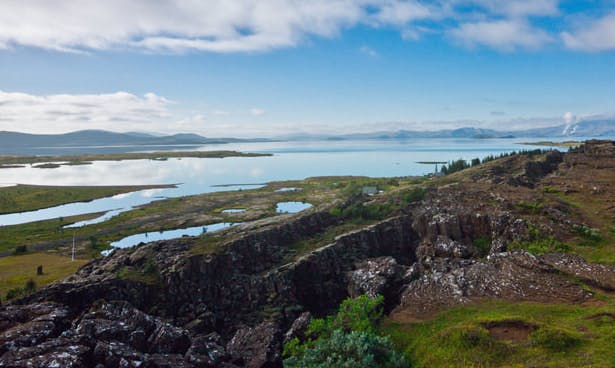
(290, 161)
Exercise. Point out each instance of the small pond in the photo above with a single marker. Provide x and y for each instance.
(292, 207)
(234, 210)
(132, 240)
(287, 189)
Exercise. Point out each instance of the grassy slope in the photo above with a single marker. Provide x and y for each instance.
(564, 336)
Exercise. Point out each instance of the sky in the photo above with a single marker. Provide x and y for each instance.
(264, 68)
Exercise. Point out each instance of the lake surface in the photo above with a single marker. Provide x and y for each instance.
(290, 161)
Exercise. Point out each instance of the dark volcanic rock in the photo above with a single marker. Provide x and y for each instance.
(509, 276)
(595, 274)
(298, 328)
(376, 276)
(257, 347)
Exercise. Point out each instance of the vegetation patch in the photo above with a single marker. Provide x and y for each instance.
(505, 334)
(148, 274)
(539, 243)
(15, 271)
(349, 338)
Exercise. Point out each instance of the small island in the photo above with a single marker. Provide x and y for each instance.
(48, 162)
(565, 144)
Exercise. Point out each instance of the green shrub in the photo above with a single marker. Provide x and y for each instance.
(30, 286)
(591, 235)
(14, 293)
(21, 249)
(349, 350)
(482, 245)
(414, 195)
(348, 339)
(556, 339)
(550, 190)
(533, 208)
(539, 243)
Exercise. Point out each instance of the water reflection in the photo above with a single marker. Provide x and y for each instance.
(132, 240)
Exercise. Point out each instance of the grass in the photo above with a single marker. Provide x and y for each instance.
(15, 271)
(548, 335)
(22, 198)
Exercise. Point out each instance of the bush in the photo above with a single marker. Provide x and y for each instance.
(539, 243)
(349, 350)
(414, 195)
(556, 339)
(30, 286)
(21, 249)
(13, 293)
(591, 235)
(348, 339)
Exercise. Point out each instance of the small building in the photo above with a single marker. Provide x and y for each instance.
(369, 190)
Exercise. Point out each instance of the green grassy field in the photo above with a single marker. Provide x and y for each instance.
(15, 271)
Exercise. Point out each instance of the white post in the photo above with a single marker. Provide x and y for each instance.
(73, 253)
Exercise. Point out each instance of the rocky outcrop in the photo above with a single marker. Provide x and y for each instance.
(595, 274)
(256, 347)
(508, 276)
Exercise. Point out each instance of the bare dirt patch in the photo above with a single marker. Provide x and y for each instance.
(511, 330)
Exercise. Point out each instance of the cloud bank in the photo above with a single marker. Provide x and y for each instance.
(123, 111)
(178, 26)
(65, 112)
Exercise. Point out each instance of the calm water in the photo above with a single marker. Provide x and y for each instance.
(291, 160)
(291, 207)
(132, 240)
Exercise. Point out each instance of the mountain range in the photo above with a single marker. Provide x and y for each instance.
(97, 141)
(586, 128)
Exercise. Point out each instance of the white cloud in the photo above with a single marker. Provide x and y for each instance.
(65, 112)
(179, 26)
(518, 8)
(506, 35)
(176, 26)
(256, 111)
(368, 51)
(400, 13)
(597, 35)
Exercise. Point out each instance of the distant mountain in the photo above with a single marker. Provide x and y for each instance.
(586, 128)
(94, 141)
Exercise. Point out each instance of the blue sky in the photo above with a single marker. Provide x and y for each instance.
(262, 68)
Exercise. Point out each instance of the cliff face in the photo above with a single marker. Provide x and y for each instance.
(160, 304)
